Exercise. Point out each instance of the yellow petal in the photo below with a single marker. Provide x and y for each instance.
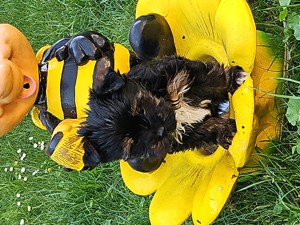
(235, 25)
(173, 201)
(206, 50)
(208, 29)
(195, 36)
(153, 6)
(243, 106)
(146, 183)
(214, 191)
(268, 66)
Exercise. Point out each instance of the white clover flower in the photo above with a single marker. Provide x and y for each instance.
(18, 203)
(19, 150)
(11, 169)
(35, 145)
(35, 172)
(18, 195)
(42, 147)
(23, 157)
(5, 169)
(25, 179)
(19, 177)
(30, 138)
(29, 208)
(22, 222)
(23, 169)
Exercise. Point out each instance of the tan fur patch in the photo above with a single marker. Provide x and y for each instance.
(185, 113)
(188, 115)
(178, 86)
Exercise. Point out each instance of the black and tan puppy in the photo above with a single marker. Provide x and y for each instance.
(163, 106)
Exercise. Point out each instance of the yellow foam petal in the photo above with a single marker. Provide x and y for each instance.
(146, 183)
(214, 191)
(173, 201)
(237, 31)
(243, 107)
(268, 66)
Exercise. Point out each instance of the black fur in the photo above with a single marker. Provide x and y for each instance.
(207, 80)
(135, 117)
(126, 121)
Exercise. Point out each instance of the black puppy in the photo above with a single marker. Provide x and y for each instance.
(163, 106)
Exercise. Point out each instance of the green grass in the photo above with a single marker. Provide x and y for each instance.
(99, 196)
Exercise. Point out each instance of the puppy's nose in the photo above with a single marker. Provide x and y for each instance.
(160, 131)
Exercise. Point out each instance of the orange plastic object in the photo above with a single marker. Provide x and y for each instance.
(18, 75)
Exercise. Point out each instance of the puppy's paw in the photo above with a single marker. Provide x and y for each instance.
(225, 135)
(241, 77)
(235, 77)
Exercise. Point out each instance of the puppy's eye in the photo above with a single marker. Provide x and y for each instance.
(141, 110)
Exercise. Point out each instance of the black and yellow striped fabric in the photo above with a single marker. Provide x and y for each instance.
(68, 88)
(67, 84)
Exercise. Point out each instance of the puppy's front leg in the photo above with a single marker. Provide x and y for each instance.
(216, 81)
(214, 130)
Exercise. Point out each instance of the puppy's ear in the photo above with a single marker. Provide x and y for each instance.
(112, 82)
(91, 158)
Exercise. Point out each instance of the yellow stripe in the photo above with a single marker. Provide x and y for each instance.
(121, 59)
(53, 88)
(39, 54)
(83, 85)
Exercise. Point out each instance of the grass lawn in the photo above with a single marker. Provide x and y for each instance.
(35, 190)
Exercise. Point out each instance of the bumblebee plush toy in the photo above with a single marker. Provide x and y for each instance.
(64, 91)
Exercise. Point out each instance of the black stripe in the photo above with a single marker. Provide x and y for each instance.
(67, 89)
(43, 74)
